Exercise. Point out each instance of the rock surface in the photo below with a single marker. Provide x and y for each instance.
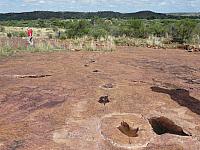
(61, 111)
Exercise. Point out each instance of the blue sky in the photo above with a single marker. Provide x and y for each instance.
(100, 5)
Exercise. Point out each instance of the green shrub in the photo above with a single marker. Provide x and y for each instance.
(50, 36)
(55, 29)
(9, 35)
(181, 31)
(98, 33)
(2, 29)
(63, 37)
(15, 34)
(22, 34)
(18, 34)
(78, 29)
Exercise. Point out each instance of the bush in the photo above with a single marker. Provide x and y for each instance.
(78, 29)
(22, 34)
(55, 29)
(2, 29)
(157, 29)
(9, 35)
(134, 28)
(63, 37)
(181, 30)
(19, 34)
(98, 33)
(50, 36)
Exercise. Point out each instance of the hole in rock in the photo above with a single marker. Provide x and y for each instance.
(181, 96)
(96, 71)
(108, 86)
(92, 61)
(104, 100)
(127, 130)
(162, 125)
(34, 76)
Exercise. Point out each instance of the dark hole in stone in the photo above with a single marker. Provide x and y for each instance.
(34, 76)
(92, 61)
(86, 65)
(182, 97)
(104, 100)
(162, 125)
(96, 71)
(108, 86)
(127, 130)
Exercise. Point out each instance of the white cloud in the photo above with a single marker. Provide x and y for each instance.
(100, 5)
(138, 3)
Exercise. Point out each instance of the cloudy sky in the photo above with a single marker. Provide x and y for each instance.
(100, 5)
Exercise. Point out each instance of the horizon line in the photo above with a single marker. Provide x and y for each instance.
(96, 11)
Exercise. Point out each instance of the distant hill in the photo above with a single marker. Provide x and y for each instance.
(185, 14)
(84, 15)
(146, 15)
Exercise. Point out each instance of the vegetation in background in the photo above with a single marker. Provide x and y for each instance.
(181, 31)
(100, 34)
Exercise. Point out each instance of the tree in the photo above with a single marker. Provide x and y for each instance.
(2, 29)
(134, 28)
(157, 29)
(78, 29)
(98, 33)
(181, 31)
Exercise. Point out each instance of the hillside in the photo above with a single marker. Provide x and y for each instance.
(79, 15)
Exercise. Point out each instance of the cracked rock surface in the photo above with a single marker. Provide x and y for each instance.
(61, 111)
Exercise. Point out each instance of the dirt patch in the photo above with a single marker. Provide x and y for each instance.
(162, 125)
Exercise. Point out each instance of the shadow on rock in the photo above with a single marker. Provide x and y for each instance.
(182, 97)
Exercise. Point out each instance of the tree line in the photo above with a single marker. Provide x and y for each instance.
(89, 15)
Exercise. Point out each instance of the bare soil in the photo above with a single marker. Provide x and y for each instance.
(50, 101)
